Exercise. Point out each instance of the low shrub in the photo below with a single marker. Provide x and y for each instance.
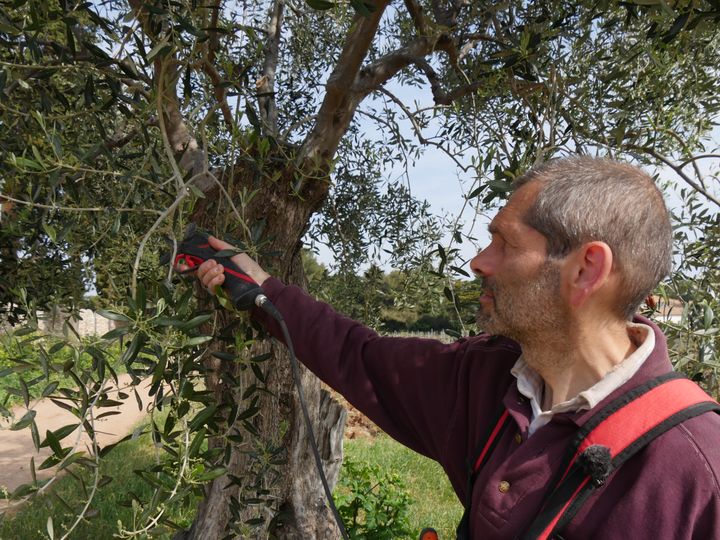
(373, 503)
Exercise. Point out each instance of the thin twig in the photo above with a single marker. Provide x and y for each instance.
(696, 158)
(184, 192)
(96, 480)
(77, 208)
(418, 129)
(678, 170)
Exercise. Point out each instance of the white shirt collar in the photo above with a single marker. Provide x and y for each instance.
(531, 385)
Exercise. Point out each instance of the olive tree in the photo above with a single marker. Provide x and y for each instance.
(269, 122)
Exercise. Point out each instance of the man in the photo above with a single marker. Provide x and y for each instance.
(579, 245)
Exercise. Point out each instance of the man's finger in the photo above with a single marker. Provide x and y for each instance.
(212, 273)
(216, 281)
(218, 244)
(205, 267)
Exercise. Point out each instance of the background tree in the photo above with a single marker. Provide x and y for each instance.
(270, 121)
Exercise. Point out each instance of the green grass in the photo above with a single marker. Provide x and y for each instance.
(433, 501)
(30, 522)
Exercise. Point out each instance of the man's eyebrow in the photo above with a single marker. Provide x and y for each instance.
(493, 228)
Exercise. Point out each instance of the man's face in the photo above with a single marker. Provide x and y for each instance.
(522, 287)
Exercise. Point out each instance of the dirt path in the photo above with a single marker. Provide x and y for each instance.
(16, 447)
(357, 425)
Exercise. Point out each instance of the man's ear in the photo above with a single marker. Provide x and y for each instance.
(589, 268)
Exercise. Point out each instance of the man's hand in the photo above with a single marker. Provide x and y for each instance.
(210, 273)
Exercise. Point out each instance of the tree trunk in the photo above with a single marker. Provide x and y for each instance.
(271, 474)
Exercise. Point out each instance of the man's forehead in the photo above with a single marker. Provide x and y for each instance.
(511, 215)
(506, 221)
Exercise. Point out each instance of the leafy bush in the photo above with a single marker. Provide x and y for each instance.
(34, 366)
(373, 503)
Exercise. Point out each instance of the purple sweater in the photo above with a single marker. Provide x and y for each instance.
(440, 399)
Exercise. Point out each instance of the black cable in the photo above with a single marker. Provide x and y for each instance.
(271, 310)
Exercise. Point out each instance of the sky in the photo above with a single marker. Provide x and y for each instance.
(435, 178)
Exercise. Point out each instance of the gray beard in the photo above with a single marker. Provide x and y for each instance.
(527, 312)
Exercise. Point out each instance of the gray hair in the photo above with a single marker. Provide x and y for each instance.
(584, 199)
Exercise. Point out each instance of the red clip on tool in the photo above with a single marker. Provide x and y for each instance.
(195, 249)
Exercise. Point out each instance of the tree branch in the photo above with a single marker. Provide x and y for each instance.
(696, 158)
(440, 96)
(219, 90)
(678, 170)
(474, 38)
(266, 83)
(416, 14)
(214, 41)
(418, 129)
(339, 104)
(4, 197)
(379, 72)
(175, 133)
(210, 48)
(445, 16)
(183, 144)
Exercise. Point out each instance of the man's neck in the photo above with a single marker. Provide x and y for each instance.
(570, 365)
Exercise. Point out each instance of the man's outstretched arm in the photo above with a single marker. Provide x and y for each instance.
(404, 385)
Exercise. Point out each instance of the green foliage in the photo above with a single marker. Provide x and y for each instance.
(432, 503)
(694, 292)
(373, 503)
(159, 339)
(32, 366)
(413, 300)
(430, 500)
(117, 501)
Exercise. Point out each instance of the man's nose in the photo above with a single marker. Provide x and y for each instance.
(481, 264)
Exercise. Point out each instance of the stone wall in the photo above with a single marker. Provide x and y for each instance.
(89, 324)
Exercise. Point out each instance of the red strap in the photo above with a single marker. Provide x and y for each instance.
(490, 440)
(240, 275)
(632, 422)
(545, 535)
(627, 424)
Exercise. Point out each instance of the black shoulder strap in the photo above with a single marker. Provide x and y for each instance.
(611, 437)
(483, 452)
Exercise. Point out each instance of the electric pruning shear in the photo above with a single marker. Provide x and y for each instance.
(195, 249)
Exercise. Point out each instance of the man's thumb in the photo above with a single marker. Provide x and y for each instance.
(218, 244)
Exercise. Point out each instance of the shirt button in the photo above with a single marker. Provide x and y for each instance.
(504, 487)
(518, 438)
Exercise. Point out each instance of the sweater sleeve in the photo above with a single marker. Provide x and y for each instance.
(404, 385)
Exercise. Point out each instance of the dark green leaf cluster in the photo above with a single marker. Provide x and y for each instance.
(692, 291)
